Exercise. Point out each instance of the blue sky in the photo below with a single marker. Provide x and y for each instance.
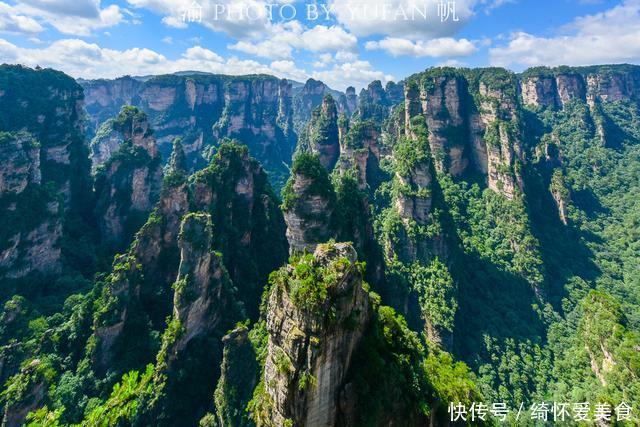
(356, 42)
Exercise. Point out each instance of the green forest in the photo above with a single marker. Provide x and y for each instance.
(467, 253)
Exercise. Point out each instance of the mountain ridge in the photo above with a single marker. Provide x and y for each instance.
(465, 235)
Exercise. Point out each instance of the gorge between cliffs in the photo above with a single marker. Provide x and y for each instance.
(209, 250)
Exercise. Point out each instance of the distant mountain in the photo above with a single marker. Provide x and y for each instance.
(251, 251)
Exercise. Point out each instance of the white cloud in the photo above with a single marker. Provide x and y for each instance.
(88, 60)
(321, 39)
(79, 8)
(400, 18)
(494, 4)
(289, 70)
(435, 48)
(612, 36)
(174, 22)
(167, 40)
(345, 56)
(282, 39)
(358, 73)
(198, 53)
(11, 21)
(238, 18)
(323, 61)
(265, 49)
(75, 18)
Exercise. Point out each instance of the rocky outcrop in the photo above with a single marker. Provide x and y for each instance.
(614, 84)
(499, 117)
(322, 133)
(560, 195)
(309, 352)
(204, 306)
(104, 144)
(360, 152)
(239, 375)
(306, 100)
(556, 87)
(44, 175)
(309, 203)
(248, 229)
(203, 290)
(394, 92)
(352, 99)
(442, 104)
(539, 91)
(22, 401)
(413, 202)
(570, 87)
(128, 184)
(374, 103)
(412, 105)
(20, 154)
(204, 109)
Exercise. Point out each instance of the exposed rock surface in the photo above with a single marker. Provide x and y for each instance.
(499, 115)
(204, 306)
(253, 244)
(44, 169)
(323, 135)
(128, 184)
(307, 359)
(560, 195)
(352, 99)
(20, 154)
(442, 105)
(375, 102)
(307, 99)
(554, 88)
(539, 91)
(239, 375)
(203, 109)
(32, 398)
(309, 203)
(473, 123)
(202, 284)
(360, 151)
(104, 144)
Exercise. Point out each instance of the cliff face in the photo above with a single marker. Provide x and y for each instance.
(307, 99)
(204, 306)
(360, 151)
(309, 203)
(32, 245)
(442, 105)
(473, 123)
(44, 175)
(554, 88)
(247, 228)
(104, 144)
(239, 375)
(322, 133)
(351, 99)
(128, 184)
(203, 110)
(307, 358)
(375, 102)
(499, 116)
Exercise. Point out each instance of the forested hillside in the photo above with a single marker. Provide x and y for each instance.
(221, 251)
